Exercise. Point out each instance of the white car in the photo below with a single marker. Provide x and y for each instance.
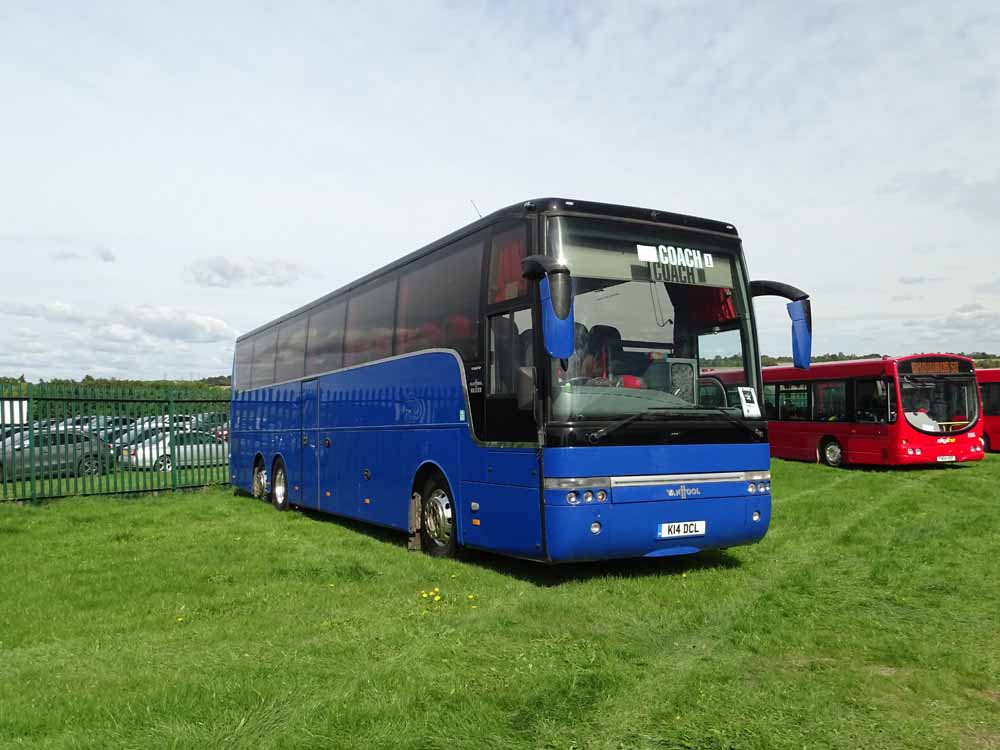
(185, 450)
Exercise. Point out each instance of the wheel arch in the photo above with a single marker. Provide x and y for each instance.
(279, 456)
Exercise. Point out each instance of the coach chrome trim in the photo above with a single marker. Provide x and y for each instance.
(647, 480)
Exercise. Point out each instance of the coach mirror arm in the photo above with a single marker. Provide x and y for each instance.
(799, 310)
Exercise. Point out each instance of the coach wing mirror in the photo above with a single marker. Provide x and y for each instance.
(555, 293)
(799, 310)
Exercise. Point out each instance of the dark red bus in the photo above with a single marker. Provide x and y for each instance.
(989, 384)
(919, 409)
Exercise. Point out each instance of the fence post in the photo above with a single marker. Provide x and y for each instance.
(32, 448)
(173, 452)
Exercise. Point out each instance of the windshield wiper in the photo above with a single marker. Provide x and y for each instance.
(755, 431)
(596, 435)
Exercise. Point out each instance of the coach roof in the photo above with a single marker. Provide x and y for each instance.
(517, 211)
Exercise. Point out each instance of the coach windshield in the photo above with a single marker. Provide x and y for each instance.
(655, 307)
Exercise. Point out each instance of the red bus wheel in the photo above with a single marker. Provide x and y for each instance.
(831, 453)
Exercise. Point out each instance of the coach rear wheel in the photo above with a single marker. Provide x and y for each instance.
(259, 484)
(438, 509)
(831, 453)
(279, 486)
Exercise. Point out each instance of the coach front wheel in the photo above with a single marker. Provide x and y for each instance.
(438, 510)
(279, 486)
(831, 453)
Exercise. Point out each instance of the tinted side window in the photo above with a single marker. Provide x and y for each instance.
(831, 401)
(439, 303)
(263, 358)
(793, 401)
(771, 401)
(326, 336)
(243, 363)
(991, 399)
(508, 249)
(369, 324)
(871, 402)
(291, 358)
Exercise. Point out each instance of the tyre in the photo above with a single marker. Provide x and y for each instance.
(831, 453)
(437, 510)
(986, 444)
(259, 483)
(279, 486)
(89, 466)
(163, 464)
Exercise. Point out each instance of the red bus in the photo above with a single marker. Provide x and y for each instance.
(849, 412)
(989, 384)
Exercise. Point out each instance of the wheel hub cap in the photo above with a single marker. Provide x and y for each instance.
(279, 487)
(439, 517)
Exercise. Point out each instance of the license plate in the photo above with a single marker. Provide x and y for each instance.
(680, 529)
(945, 459)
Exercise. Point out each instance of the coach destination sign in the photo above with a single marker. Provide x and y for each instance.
(684, 265)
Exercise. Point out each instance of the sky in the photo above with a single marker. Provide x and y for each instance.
(172, 175)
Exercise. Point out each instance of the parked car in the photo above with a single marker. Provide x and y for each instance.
(138, 435)
(58, 452)
(163, 452)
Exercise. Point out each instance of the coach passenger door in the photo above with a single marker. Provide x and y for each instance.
(309, 478)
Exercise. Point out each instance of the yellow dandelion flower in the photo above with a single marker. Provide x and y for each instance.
(472, 596)
(180, 619)
(437, 598)
(436, 589)
(423, 594)
(473, 606)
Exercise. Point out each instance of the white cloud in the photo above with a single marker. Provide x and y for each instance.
(51, 311)
(217, 271)
(179, 325)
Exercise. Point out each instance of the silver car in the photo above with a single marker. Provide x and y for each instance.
(184, 450)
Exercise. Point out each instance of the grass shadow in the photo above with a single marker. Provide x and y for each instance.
(378, 533)
(916, 468)
(541, 573)
(546, 575)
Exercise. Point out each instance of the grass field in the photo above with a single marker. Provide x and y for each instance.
(869, 617)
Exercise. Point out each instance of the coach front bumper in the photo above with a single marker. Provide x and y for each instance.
(654, 516)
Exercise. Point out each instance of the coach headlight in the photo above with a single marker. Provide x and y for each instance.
(572, 498)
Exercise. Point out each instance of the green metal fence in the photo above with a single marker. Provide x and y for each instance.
(57, 440)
